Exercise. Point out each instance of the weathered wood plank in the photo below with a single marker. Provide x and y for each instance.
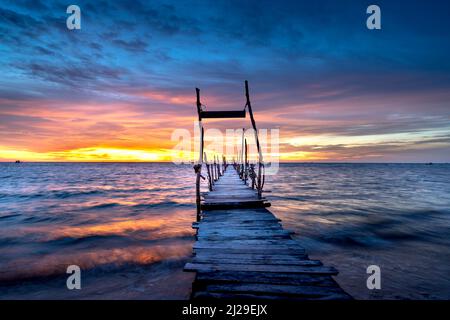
(252, 250)
(242, 251)
(275, 289)
(265, 232)
(288, 243)
(238, 219)
(243, 225)
(257, 261)
(219, 255)
(217, 205)
(205, 295)
(204, 267)
(265, 277)
(243, 237)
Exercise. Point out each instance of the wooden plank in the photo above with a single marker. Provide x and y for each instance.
(257, 261)
(265, 277)
(203, 267)
(276, 289)
(220, 255)
(252, 250)
(260, 211)
(242, 234)
(243, 237)
(233, 203)
(205, 295)
(226, 217)
(242, 251)
(222, 247)
(222, 114)
(232, 197)
(237, 218)
(243, 225)
(267, 232)
(292, 244)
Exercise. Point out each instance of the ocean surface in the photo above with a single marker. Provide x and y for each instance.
(128, 226)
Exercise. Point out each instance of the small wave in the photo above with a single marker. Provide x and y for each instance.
(352, 241)
(9, 216)
(102, 206)
(398, 235)
(119, 238)
(67, 241)
(62, 194)
(161, 204)
(41, 275)
(35, 219)
(59, 194)
(288, 198)
(95, 260)
(8, 241)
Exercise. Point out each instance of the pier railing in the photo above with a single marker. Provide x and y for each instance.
(252, 173)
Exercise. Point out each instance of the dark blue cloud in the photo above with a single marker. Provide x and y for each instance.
(299, 39)
(293, 52)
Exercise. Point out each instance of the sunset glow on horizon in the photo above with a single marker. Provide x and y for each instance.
(118, 88)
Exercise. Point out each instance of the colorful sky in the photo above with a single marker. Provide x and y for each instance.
(116, 89)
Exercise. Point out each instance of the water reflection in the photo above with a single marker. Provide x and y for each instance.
(111, 217)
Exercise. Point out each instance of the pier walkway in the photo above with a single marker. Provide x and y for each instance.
(242, 251)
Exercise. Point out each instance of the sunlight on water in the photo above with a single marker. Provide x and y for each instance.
(128, 226)
(97, 216)
(350, 216)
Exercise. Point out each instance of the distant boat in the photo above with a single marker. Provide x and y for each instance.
(18, 161)
(429, 163)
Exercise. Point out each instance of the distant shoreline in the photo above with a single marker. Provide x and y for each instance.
(186, 163)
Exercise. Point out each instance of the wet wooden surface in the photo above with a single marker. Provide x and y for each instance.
(243, 252)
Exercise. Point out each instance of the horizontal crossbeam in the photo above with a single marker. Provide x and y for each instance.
(222, 114)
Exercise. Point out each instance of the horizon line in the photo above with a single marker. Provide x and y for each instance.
(281, 162)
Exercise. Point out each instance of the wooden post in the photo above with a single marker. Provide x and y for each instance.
(214, 169)
(239, 162)
(246, 162)
(198, 166)
(241, 173)
(252, 172)
(260, 157)
(218, 166)
(210, 183)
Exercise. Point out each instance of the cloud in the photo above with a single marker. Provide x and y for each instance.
(127, 78)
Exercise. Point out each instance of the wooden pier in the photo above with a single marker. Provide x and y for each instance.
(242, 251)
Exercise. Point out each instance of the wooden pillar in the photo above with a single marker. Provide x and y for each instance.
(198, 166)
(218, 167)
(260, 157)
(241, 173)
(245, 162)
(210, 182)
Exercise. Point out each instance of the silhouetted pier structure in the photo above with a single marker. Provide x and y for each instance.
(242, 251)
